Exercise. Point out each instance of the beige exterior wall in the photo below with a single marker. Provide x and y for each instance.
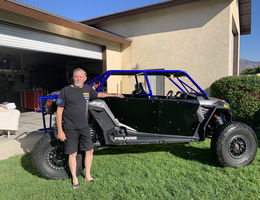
(113, 62)
(194, 37)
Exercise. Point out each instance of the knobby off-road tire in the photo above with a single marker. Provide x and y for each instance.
(234, 145)
(49, 160)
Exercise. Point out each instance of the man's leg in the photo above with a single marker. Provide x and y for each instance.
(73, 166)
(88, 163)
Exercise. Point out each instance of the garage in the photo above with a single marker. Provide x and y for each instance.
(32, 60)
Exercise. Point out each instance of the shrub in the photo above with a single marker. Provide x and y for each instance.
(251, 71)
(243, 95)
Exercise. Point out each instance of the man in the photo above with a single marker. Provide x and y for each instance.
(72, 109)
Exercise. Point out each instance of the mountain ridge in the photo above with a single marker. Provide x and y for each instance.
(244, 64)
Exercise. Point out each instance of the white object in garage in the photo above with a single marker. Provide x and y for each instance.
(8, 106)
(9, 120)
(22, 38)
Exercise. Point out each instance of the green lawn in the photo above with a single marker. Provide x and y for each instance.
(172, 171)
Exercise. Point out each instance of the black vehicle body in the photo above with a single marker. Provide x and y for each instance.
(185, 114)
(144, 118)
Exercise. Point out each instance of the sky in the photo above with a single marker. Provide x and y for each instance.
(86, 9)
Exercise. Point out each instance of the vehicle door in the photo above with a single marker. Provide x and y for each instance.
(138, 113)
(177, 116)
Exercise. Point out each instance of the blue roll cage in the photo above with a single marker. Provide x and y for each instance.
(103, 78)
(184, 87)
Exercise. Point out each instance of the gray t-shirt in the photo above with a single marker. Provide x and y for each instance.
(75, 103)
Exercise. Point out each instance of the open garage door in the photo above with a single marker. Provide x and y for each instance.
(38, 61)
(16, 37)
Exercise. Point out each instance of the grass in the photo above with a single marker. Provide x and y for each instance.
(172, 171)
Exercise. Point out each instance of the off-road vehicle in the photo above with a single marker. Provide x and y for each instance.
(147, 116)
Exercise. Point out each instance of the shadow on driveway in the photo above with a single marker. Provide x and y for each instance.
(28, 140)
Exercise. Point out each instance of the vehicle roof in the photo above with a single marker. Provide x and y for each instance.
(176, 73)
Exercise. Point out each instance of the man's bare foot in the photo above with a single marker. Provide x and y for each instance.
(75, 186)
(90, 179)
(75, 183)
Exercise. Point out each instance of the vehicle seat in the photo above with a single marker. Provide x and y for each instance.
(140, 89)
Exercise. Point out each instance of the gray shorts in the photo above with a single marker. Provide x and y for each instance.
(77, 140)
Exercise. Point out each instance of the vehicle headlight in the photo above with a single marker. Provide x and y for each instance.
(226, 106)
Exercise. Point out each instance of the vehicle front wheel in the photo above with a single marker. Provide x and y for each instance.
(234, 145)
(49, 160)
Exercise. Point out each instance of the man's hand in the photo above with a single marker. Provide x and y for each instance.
(119, 95)
(61, 136)
(103, 95)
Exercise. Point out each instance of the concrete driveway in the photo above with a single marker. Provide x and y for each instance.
(25, 138)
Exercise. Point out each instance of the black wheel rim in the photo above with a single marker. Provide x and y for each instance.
(238, 147)
(56, 158)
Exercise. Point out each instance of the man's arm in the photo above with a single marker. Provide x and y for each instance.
(61, 134)
(102, 95)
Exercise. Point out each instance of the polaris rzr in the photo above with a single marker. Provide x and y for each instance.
(147, 116)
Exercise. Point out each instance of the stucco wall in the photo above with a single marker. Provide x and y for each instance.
(194, 37)
(113, 62)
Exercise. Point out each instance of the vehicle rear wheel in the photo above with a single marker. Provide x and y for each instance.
(49, 160)
(234, 145)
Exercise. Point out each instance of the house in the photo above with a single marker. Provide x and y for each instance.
(39, 49)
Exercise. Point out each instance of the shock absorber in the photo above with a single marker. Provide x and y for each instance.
(219, 120)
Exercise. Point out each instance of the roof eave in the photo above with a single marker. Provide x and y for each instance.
(23, 9)
(245, 16)
(244, 13)
(161, 5)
